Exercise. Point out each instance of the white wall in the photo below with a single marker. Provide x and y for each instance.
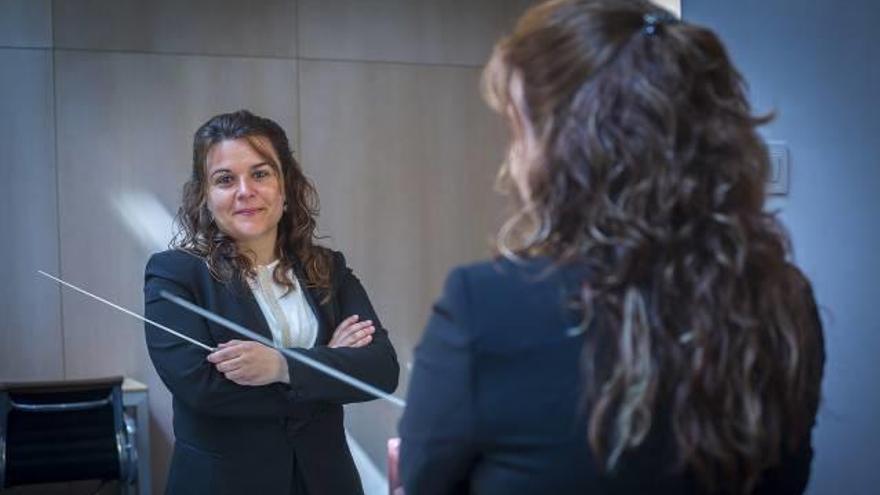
(673, 6)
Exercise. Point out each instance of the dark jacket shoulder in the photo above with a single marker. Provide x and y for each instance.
(338, 265)
(500, 298)
(505, 274)
(172, 263)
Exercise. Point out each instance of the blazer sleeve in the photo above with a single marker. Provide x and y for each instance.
(437, 430)
(181, 365)
(375, 363)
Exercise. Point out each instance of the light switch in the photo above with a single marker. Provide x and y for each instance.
(780, 168)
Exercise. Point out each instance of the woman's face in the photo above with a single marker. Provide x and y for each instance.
(244, 192)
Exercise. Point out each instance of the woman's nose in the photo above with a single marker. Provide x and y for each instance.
(245, 187)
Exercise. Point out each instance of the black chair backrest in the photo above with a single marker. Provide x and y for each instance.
(60, 431)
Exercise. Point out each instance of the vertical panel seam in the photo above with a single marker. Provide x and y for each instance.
(53, 63)
(298, 65)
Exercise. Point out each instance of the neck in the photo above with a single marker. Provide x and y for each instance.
(260, 251)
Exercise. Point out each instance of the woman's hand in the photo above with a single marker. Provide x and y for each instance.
(250, 363)
(351, 333)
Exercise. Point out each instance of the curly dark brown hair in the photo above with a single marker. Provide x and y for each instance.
(650, 171)
(297, 240)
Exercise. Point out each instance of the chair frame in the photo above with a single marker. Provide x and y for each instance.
(123, 426)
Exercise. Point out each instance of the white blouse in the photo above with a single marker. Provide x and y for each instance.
(290, 318)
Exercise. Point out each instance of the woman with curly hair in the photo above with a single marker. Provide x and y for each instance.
(248, 419)
(643, 329)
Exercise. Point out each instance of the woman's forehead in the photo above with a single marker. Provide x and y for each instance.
(242, 151)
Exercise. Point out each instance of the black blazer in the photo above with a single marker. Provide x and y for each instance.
(269, 439)
(494, 403)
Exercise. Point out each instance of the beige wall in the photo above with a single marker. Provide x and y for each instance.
(101, 97)
(672, 5)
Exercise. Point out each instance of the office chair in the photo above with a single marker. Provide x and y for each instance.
(66, 431)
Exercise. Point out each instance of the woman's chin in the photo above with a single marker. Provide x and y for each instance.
(247, 236)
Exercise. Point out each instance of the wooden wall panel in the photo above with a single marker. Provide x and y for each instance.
(26, 23)
(30, 324)
(458, 32)
(210, 27)
(404, 159)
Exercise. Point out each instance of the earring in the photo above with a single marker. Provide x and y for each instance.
(285, 205)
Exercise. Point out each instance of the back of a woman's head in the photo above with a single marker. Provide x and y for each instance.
(650, 170)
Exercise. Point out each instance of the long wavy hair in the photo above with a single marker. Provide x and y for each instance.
(650, 171)
(198, 233)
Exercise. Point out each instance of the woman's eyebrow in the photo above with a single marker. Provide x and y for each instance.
(253, 167)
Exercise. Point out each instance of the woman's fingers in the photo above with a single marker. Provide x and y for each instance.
(226, 352)
(346, 323)
(363, 341)
(230, 365)
(350, 332)
(232, 355)
(341, 329)
(356, 339)
(357, 327)
(356, 332)
(351, 319)
(353, 333)
(255, 365)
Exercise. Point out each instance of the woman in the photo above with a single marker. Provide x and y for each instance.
(246, 418)
(643, 330)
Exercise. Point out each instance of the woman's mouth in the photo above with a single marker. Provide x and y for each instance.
(248, 212)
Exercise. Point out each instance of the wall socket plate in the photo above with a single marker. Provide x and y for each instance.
(780, 168)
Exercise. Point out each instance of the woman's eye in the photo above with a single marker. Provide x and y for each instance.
(223, 180)
(261, 174)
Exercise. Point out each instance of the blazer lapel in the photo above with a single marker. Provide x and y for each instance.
(254, 318)
(323, 312)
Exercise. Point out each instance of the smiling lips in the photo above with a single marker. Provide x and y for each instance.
(248, 212)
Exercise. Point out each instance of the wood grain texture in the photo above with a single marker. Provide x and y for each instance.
(265, 28)
(404, 158)
(459, 32)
